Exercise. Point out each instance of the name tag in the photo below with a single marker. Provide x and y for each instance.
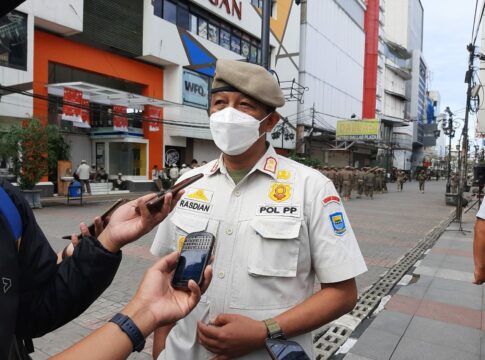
(279, 210)
(194, 206)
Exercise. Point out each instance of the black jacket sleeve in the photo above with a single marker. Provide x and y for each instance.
(52, 295)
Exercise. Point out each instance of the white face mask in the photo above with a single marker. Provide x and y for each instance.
(234, 131)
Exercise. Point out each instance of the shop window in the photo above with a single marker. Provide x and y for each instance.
(225, 40)
(202, 31)
(214, 33)
(13, 40)
(253, 55)
(128, 158)
(245, 49)
(170, 11)
(236, 43)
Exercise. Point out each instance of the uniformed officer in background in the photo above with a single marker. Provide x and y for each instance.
(454, 183)
(422, 180)
(360, 175)
(369, 183)
(401, 179)
(277, 224)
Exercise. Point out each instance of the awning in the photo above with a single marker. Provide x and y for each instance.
(107, 96)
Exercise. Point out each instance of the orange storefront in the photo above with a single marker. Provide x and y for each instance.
(51, 51)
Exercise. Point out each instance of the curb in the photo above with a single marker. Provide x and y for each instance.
(334, 335)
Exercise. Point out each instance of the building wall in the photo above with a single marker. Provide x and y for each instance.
(51, 48)
(332, 60)
(397, 17)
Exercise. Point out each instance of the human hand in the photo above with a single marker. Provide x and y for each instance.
(133, 220)
(156, 303)
(230, 335)
(479, 276)
(69, 249)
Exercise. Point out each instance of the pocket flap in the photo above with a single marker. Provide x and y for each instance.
(276, 228)
(188, 222)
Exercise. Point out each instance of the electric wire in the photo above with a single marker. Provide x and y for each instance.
(478, 25)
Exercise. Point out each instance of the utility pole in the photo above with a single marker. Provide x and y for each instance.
(265, 28)
(464, 151)
(311, 130)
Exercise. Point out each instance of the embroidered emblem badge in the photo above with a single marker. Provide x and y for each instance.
(331, 199)
(338, 223)
(270, 165)
(283, 174)
(280, 192)
(198, 194)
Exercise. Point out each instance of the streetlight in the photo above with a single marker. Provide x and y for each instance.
(449, 130)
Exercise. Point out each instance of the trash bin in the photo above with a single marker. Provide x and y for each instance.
(74, 192)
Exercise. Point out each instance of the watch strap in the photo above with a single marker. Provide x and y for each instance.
(274, 330)
(129, 328)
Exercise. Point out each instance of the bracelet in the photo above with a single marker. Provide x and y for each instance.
(129, 328)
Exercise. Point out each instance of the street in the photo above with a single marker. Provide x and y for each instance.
(386, 227)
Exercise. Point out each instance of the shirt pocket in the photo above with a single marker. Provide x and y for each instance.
(274, 247)
(265, 270)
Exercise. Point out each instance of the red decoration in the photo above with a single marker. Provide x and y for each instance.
(154, 115)
(72, 110)
(120, 121)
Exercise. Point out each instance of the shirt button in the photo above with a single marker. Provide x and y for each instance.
(229, 231)
(237, 193)
(221, 275)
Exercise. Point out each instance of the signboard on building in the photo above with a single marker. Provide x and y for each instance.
(357, 130)
(195, 89)
(86, 123)
(154, 116)
(429, 138)
(72, 108)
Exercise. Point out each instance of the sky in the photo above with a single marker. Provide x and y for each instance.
(447, 31)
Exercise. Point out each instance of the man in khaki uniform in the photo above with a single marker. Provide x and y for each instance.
(347, 177)
(454, 183)
(378, 186)
(401, 179)
(422, 180)
(332, 175)
(369, 182)
(277, 224)
(360, 182)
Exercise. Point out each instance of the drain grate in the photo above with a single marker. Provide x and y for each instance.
(333, 336)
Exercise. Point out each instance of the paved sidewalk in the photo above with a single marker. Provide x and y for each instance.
(435, 312)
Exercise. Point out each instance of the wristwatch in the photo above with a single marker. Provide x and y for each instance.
(129, 328)
(274, 330)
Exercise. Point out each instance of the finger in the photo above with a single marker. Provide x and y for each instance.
(207, 279)
(84, 229)
(167, 263)
(211, 344)
(211, 332)
(69, 250)
(98, 226)
(223, 319)
(195, 294)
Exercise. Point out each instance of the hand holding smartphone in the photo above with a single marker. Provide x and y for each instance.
(194, 258)
(280, 349)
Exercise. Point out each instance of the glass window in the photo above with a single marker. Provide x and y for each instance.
(245, 49)
(13, 40)
(259, 55)
(202, 28)
(170, 11)
(214, 33)
(253, 56)
(183, 19)
(193, 23)
(235, 44)
(225, 39)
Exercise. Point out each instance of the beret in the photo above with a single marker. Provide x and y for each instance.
(250, 79)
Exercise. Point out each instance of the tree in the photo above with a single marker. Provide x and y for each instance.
(27, 146)
(58, 149)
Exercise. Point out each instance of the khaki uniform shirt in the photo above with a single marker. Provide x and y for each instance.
(278, 228)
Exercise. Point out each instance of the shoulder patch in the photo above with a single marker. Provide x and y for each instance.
(280, 192)
(270, 164)
(338, 223)
(331, 199)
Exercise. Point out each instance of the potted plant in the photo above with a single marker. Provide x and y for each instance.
(28, 148)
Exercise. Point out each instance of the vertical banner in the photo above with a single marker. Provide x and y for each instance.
(71, 110)
(154, 116)
(84, 115)
(120, 121)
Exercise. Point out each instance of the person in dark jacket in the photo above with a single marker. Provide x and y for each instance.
(37, 295)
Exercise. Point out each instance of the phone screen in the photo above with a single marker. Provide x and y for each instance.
(286, 350)
(191, 265)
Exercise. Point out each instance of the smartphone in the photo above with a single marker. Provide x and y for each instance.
(285, 350)
(194, 257)
(156, 204)
(104, 217)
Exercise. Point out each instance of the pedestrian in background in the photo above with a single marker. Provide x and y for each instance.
(156, 177)
(173, 174)
(422, 180)
(84, 173)
(184, 169)
(401, 179)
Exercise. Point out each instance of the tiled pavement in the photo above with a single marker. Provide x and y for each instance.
(439, 314)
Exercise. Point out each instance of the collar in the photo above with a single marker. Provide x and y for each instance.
(267, 164)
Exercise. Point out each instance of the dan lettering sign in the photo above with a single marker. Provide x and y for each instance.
(195, 89)
(232, 7)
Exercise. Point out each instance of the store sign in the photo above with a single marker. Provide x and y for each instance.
(154, 116)
(120, 121)
(86, 121)
(232, 7)
(357, 130)
(72, 108)
(195, 89)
